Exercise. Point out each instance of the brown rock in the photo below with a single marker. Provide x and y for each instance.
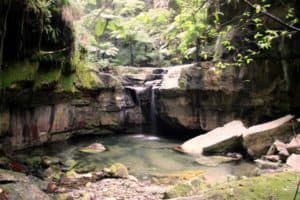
(272, 158)
(294, 161)
(282, 149)
(294, 145)
(257, 139)
(264, 164)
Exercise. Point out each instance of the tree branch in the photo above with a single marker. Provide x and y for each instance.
(273, 17)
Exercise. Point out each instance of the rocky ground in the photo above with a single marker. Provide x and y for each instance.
(116, 189)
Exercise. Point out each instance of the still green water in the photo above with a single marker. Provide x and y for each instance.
(144, 155)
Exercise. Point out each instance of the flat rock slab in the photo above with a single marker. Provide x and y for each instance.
(257, 139)
(294, 161)
(219, 140)
(213, 161)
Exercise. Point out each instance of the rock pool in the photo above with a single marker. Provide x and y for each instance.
(146, 156)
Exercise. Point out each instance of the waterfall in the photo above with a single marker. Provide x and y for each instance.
(153, 111)
(138, 93)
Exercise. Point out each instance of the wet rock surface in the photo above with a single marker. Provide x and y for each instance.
(17, 186)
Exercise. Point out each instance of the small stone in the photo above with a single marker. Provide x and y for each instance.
(88, 184)
(47, 161)
(51, 188)
(93, 148)
(133, 178)
(236, 156)
(272, 158)
(263, 164)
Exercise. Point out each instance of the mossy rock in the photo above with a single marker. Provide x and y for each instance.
(85, 167)
(69, 165)
(33, 162)
(4, 162)
(117, 170)
(52, 172)
(48, 161)
(179, 190)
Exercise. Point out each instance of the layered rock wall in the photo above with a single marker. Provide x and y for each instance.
(205, 98)
(30, 125)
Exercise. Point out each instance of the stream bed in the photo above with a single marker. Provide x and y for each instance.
(145, 156)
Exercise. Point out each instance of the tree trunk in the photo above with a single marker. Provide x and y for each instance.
(3, 35)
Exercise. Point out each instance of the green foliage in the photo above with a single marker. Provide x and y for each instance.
(190, 28)
(47, 77)
(128, 8)
(127, 33)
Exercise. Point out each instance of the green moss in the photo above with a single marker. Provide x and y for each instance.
(33, 161)
(66, 83)
(117, 170)
(85, 78)
(179, 190)
(275, 186)
(24, 71)
(47, 77)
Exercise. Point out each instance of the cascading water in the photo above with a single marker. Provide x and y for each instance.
(153, 110)
(138, 93)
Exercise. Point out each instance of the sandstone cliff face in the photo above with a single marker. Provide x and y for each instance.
(32, 125)
(203, 99)
(188, 99)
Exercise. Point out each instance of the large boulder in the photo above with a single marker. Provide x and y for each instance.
(257, 139)
(222, 139)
